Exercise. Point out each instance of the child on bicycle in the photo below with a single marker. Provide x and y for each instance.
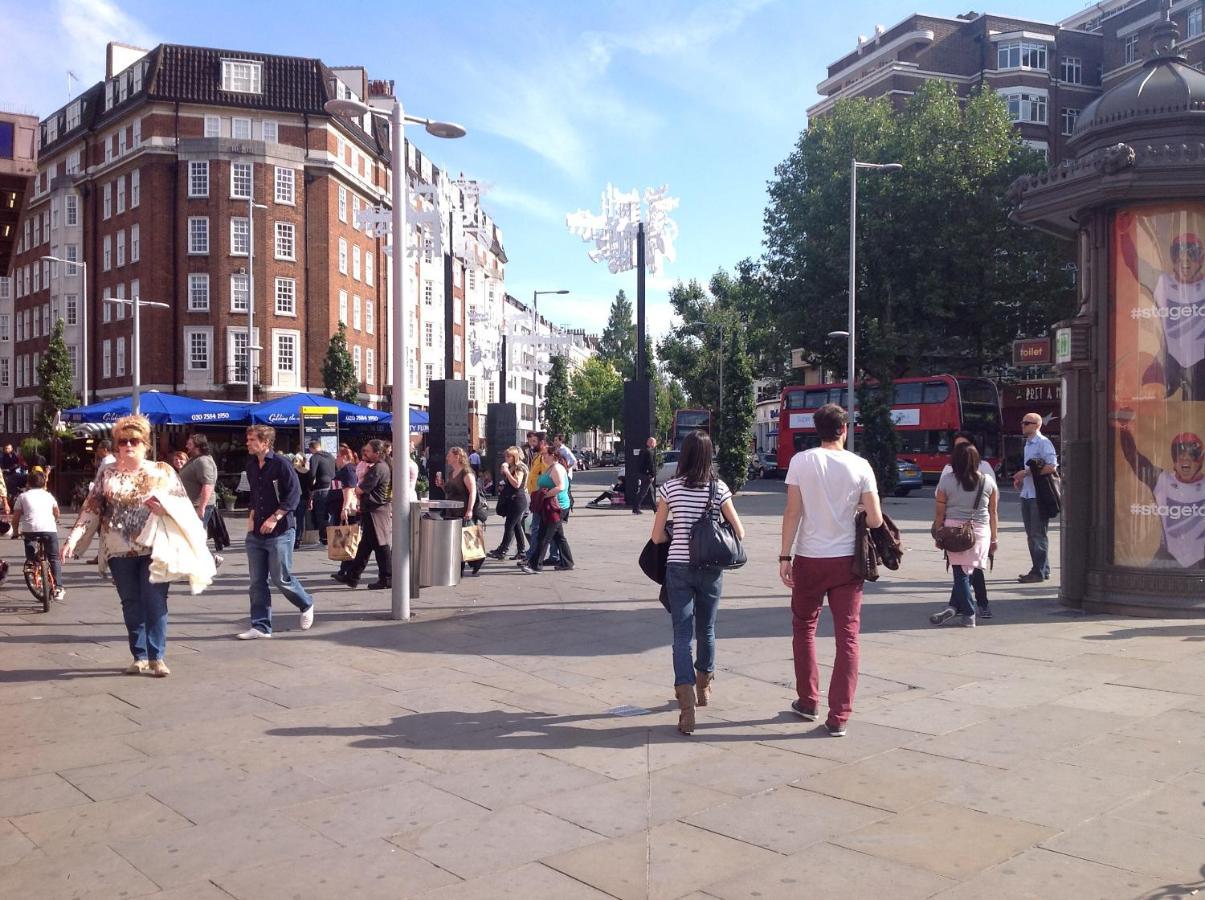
(36, 515)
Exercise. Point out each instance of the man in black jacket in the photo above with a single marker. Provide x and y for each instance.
(373, 491)
(648, 474)
(322, 468)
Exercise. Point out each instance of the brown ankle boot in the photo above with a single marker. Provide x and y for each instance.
(703, 682)
(686, 707)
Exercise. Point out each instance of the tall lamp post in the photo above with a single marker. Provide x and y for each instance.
(252, 206)
(854, 166)
(400, 395)
(83, 313)
(135, 344)
(535, 375)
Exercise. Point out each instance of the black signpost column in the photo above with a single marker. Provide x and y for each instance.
(638, 400)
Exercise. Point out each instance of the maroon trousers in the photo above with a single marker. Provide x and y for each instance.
(815, 578)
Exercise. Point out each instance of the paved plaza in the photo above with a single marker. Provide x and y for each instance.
(516, 739)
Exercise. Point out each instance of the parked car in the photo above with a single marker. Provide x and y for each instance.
(669, 466)
(607, 458)
(910, 477)
(769, 465)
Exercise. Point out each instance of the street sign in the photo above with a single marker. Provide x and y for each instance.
(1062, 346)
(320, 423)
(1032, 352)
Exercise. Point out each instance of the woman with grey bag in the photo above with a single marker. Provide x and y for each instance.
(964, 494)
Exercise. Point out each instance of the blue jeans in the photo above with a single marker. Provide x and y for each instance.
(143, 605)
(271, 557)
(1035, 534)
(694, 600)
(50, 540)
(960, 595)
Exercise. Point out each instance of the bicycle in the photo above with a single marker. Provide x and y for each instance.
(39, 576)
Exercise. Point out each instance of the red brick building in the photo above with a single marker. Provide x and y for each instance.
(212, 180)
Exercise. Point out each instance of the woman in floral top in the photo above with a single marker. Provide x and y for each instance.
(119, 505)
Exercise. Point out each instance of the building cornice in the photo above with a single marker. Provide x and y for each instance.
(919, 36)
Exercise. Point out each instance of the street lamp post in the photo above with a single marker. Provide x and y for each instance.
(252, 206)
(854, 165)
(535, 375)
(400, 395)
(83, 313)
(135, 345)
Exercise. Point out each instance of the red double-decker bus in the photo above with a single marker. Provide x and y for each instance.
(927, 412)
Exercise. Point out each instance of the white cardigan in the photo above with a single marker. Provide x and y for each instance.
(177, 542)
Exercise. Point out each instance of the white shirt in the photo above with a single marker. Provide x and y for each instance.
(1037, 447)
(1181, 506)
(831, 483)
(1181, 306)
(36, 508)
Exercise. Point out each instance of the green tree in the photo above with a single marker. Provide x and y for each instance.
(338, 371)
(945, 280)
(734, 434)
(56, 392)
(878, 441)
(557, 408)
(618, 342)
(670, 398)
(597, 396)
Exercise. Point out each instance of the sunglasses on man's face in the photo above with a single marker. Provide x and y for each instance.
(1029, 422)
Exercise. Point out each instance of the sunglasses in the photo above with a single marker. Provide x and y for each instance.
(1029, 422)
(128, 442)
(1193, 450)
(1192, 251)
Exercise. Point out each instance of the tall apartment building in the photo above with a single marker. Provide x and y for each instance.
(1047, 72)
(215, 182)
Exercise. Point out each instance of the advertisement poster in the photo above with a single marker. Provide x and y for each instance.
(1157, 387)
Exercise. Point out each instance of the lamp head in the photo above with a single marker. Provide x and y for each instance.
(346, 107)
(891, 167)
(836, 335)
(444, 129)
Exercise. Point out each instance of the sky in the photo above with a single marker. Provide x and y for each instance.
(559, 99)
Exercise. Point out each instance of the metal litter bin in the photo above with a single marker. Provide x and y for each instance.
(438, 552)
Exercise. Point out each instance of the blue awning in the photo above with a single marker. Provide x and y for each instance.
(286, 411)
(162, 409)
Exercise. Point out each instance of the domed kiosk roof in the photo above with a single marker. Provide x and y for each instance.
(1166, 87)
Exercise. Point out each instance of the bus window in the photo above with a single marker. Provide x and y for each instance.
(935, 392)
(978, 392)
(815, 399)
(806, 441)
(908, 394)
(796, 400)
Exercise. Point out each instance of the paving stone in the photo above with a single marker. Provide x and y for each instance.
(786, 819)
(616, 808)
(826, 870)
(198, 890)
(897, 779)
(524, 883)
(923, 837)
(364, 815)
(864, 739)
(1007, 741)
(1180, 804)
(749, 769)
(635, 752)
(220, 798)
(1124, 701)
(358, 769)
(1040, 874)
(517, 779)
(929, 715)
(498, 840)
(91, 872)
(147, 776)
(1053, 794)
(56, 756)
(680, 859)
(219, 848)
(198, 736)
(57, 830)
(35, 793)
(1169, 854)
(14, 845)
(375, 869)
(1161, 760)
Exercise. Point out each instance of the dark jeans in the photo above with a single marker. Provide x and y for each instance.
(1035, 534)
(369, 544)
(552, 535)
(270, 559)
(694, 600)
(51, 542)
(319, 517)
(143, 605)
(645, 493)
(514, 524)
(979, 585)
(960, 594)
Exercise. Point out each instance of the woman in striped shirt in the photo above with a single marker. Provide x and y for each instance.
(694, 592)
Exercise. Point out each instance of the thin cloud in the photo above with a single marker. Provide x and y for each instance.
(523, 202)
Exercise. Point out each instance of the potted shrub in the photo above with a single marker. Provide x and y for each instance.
(225, 496)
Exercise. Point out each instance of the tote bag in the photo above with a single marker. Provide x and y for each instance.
(472, 543)
(342, 542)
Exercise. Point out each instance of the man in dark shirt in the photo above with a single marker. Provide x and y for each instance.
(648, 474)
(322, 468)
(271, 528)
(376, 531)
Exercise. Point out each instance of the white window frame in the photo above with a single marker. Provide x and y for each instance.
(136, 133)
(1129, 50)
(1022, 54)
(285, 294)
(370, 277)
(240, 236)
(356, 263)
(135, 242)
(121, 248)
(240, 287)
(342, 256)
(242, 76)
(191, 334)
(357, 362)
(106, 308)
(213, 126)
(198, 178)
(428, 335)
(119, 351)
(71, 309)
(242, 175)
(370, 366)
(370, 318)
(286, 186)
(198, 235)
(106, 255)
(285, 243)
(1071, 70)
(342, 203)
(71, 210)
(356, 305)
(198, 292)
(343, 307)
(233, 334)
(241, 129)
(1069, 117)
(279, 337)
(135, 188)
(1025, 105)
(270, 131)
(121, 194)
(1194, 25)
(106, 200)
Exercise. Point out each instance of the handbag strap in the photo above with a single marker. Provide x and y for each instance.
(979, 493)
(709, 509)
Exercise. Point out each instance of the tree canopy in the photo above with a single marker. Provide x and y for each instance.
(57, 392)
(618, 342)
(597, 396)
(557, 408)
(945, 281)
(338, 371)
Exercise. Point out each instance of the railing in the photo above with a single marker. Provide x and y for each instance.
(237, 374)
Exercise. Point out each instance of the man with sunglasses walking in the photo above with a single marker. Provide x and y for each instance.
(1039, 447)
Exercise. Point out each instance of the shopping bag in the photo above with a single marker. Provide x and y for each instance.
(472, 543)
(342, 542)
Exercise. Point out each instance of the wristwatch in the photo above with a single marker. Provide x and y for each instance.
(784, 559)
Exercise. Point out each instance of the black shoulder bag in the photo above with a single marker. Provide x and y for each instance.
(713, 543)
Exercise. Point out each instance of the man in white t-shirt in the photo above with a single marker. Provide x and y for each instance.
(825, 487)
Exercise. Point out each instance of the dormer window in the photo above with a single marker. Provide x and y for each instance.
(242, 76)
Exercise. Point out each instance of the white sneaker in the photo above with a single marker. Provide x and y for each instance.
(218, 559)
(59, 593)
(252, 634)
(307, 618)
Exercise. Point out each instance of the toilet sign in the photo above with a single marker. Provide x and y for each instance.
(1032, 352)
